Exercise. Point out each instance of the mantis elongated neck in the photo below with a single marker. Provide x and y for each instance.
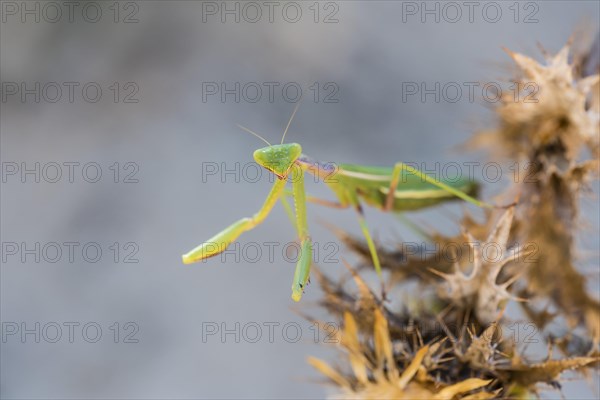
(314, 167)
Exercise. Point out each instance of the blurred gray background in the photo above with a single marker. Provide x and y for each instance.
(164, 51)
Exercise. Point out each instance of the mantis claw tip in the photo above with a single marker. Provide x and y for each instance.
(296, 296)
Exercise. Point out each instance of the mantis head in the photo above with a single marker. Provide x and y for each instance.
(278, 158)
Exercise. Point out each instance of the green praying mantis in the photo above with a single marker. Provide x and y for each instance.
(400, 188)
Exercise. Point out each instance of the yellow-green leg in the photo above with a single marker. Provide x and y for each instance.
(288, 208)
(218, 243)
(302, 272)
(370, 244)
(397, 172)
(361, 220)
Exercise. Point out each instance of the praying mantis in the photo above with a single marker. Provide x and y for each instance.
(399, 188)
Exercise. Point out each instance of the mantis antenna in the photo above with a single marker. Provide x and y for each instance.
(291, 118)
(254, 133)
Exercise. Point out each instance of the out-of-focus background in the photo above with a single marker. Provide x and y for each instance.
(120, 152)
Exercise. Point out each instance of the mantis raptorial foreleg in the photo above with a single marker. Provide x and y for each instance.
(317, 200)
(301, 274)
(218, 243)
(397, 173)
(361, 220)
(288, 209)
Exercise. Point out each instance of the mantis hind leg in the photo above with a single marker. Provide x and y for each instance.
(370, 244)
(399, 167)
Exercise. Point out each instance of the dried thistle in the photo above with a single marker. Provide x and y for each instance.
(402, 357)
(479, 288)
(375, 374)
(450, 345)
(549, 135)
(557, 112)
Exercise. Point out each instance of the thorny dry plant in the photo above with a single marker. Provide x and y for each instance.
(453, 343)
